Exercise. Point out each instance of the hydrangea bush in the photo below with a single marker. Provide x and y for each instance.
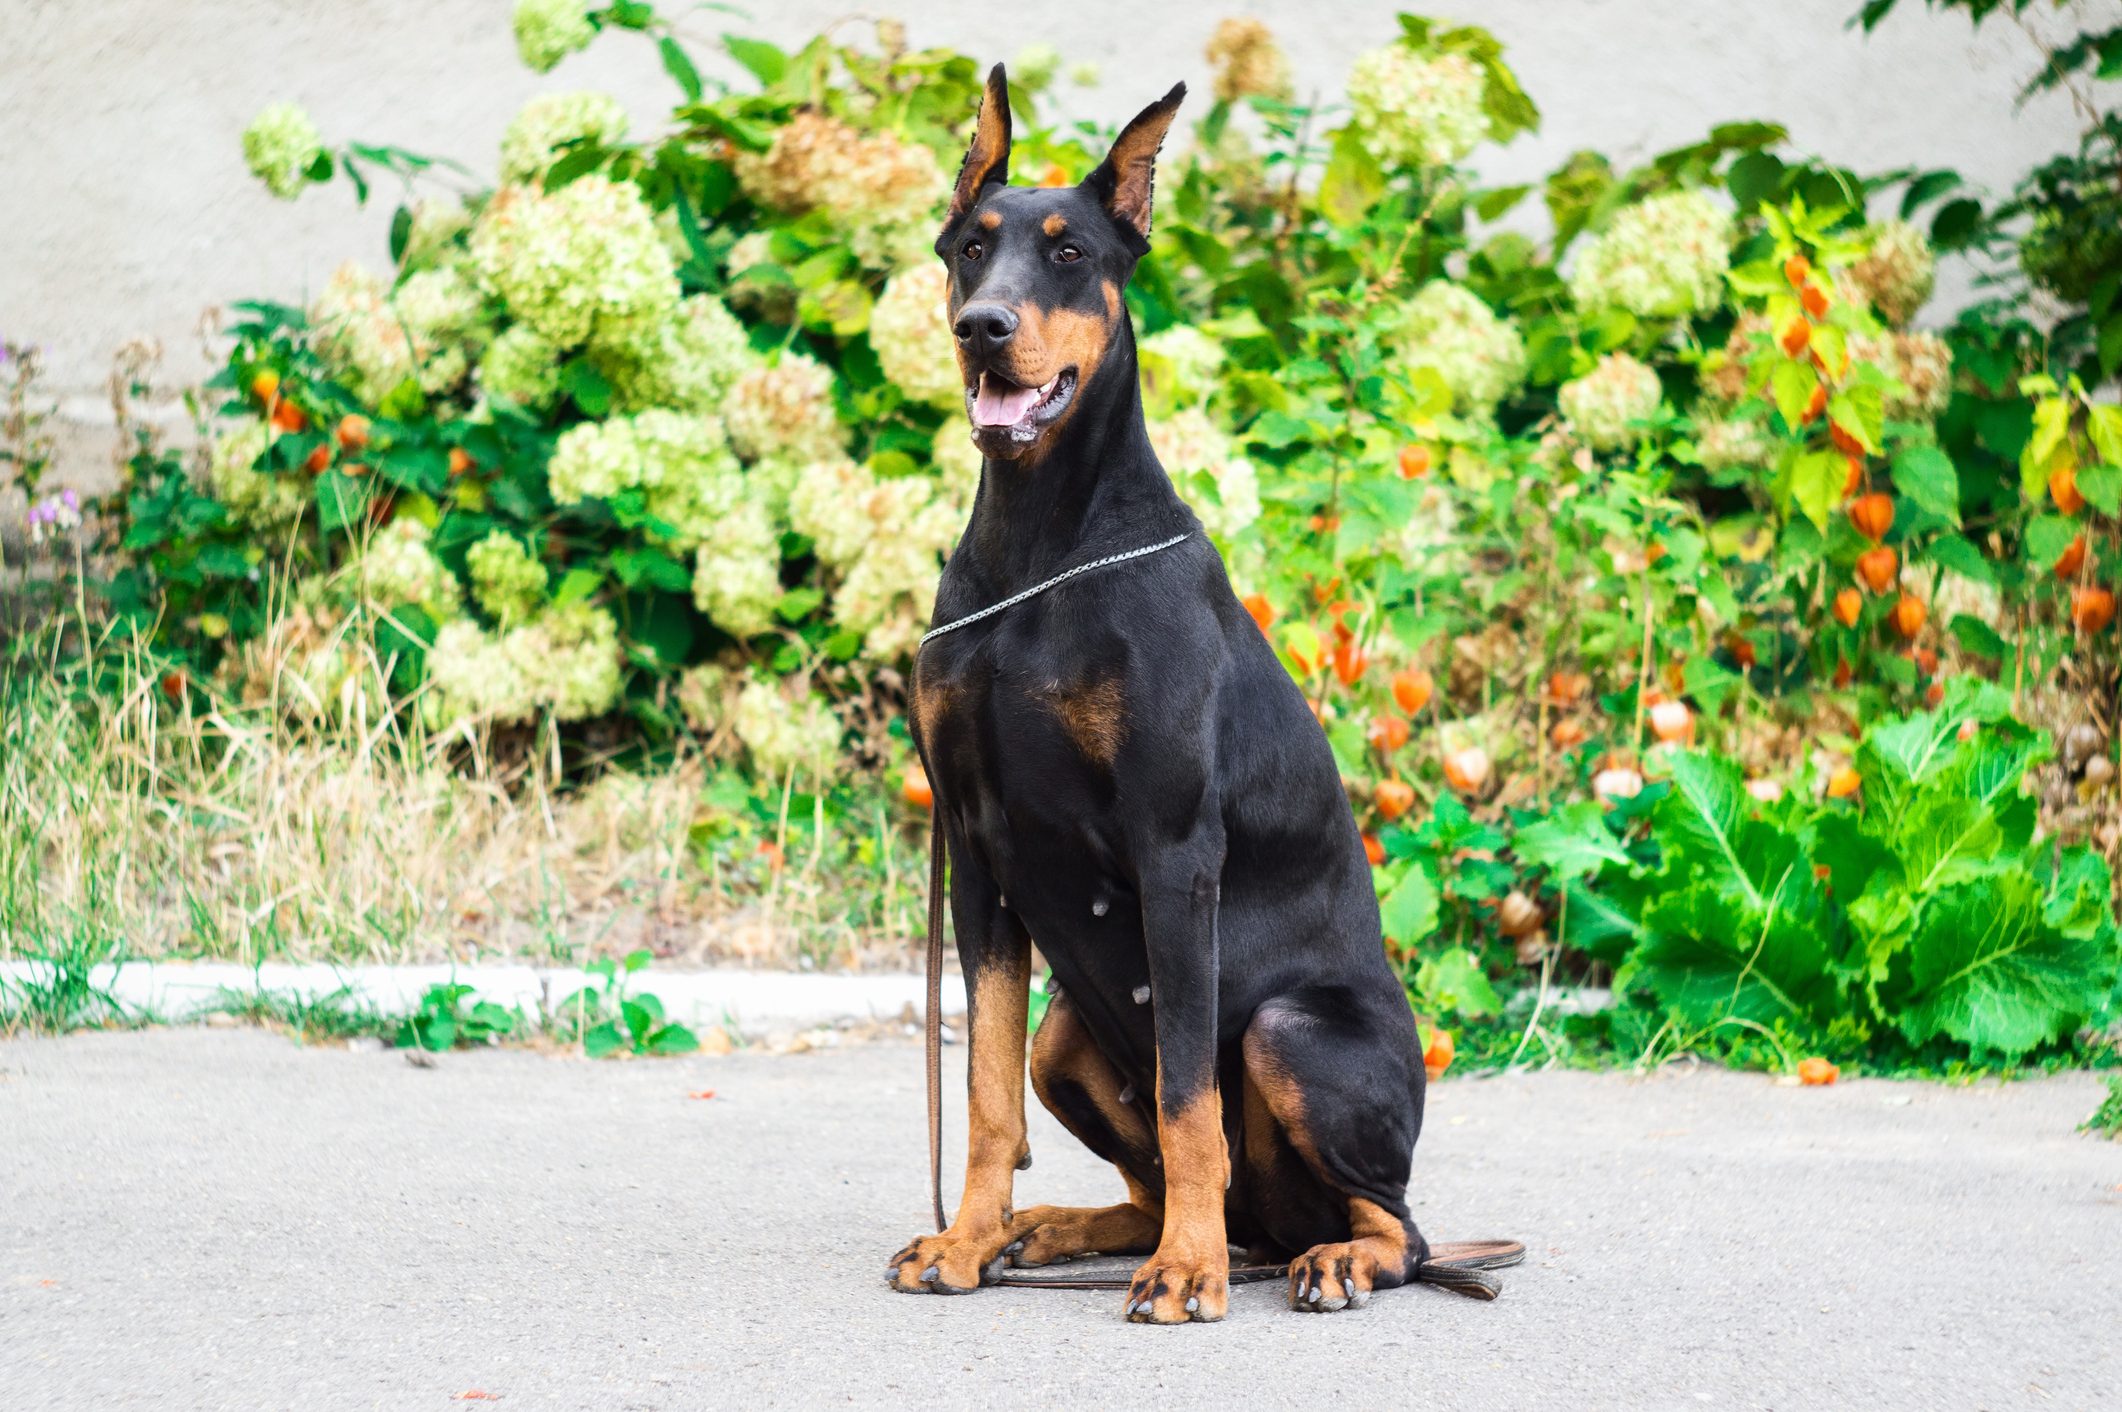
(665, 429)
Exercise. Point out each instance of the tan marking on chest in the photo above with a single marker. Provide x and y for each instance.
(931, 706)
(1094, 715)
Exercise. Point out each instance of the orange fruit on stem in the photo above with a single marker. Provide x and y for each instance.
(1909, 614)
(1814, 406)
(1849, 606)
(1373, 850)
(1567, 688)
(1844, 673)
(2092, 607)
(1816, 1071)
(1393, 798)
(1466, 769)
(913, 788)
(1263, 612)
(1412, 689)
(1567, 734)
(2063, 489)
(1843, 783)
(1438, 1056)
(1844, 439)
(1796, 334)
(2071, 559)
(1796, 269)
(460, 460)
(318, 459)
(1350, 662)
(1414, 461)
(1854, 477)
(265, 385)
(352, 434)
(1671, 721)
(1814, 298)
(288, 417)
(1876, 568)
(1873, 515)
(1926, 661)
(1388, 732)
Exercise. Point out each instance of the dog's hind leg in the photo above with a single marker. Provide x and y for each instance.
(1341, 1074)
(1082, 1089)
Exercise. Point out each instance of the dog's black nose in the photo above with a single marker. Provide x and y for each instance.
(984, 328)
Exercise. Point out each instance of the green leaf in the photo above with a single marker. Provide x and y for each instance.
(1409, 911)
(1455, 983)
(1704, 821)
(1713, 956)
(1978, 637)
(1594, 922)
(1925, 475)
(672, 1039)
(1791, 384)
(1860, 410)
(679, 65)
(1573, 842)
(2102, 487)
(1986, 968)
(766, 63)
(588, 387)
(1353, 182)
(1816, 484)
(603, 1039)
(1952, 552)
(341, 500)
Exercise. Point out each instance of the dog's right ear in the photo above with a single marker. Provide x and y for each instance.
(987, 160)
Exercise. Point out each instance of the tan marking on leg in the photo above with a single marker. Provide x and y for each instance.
(1063, 1051)
(994, 1140)
(1054, 224)
(1095, 717)
(1188, 1276)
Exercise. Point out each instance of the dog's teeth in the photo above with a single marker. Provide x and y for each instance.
(1141, 995)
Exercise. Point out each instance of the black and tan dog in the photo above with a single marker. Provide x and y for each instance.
(1125, 774)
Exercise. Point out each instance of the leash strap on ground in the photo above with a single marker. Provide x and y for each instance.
(1459, 1266)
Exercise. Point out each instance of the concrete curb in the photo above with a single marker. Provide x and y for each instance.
(752, 1003)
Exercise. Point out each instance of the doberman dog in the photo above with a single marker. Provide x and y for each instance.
(1126, 775)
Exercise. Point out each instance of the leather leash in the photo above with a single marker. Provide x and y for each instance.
(1459, 1266)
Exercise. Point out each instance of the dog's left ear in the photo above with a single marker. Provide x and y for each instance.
(987, 160)
(1123, 181)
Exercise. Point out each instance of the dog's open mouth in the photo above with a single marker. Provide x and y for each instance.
(1001, 408)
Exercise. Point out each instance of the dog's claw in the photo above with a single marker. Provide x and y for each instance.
(928, 1276)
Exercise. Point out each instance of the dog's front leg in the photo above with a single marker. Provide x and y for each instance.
(994, 951)
(1188, 1278)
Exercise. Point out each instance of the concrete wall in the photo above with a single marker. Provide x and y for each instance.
(127, 208)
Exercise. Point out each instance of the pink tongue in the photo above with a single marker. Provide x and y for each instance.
(994, 407)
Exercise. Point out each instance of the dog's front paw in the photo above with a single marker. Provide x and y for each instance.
(1177, 1288)
(950, 1263)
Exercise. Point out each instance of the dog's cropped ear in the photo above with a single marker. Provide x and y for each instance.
(1123, 181)
(987, 160)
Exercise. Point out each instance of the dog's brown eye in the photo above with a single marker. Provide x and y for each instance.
(973, 250)
(1068, 254)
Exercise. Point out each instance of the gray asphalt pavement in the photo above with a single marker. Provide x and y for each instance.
(221, 1219)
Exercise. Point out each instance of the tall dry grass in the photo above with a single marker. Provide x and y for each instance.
(344, 830)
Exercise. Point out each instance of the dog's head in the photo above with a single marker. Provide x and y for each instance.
(1036, 274)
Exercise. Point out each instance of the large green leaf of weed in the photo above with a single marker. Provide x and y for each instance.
(1990, 970)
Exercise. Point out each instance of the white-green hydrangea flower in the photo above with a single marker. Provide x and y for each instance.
(703, 696)
(547, 31)
(1609, 405)
(1664, 257)
(1897, 271)
(373, 338)
(954, 455)
(571, 655)
(737, 572)
(689, 473)
(884, 191)
(434, 235)
(575, 261)
(281, 145)
(1416, 109)
(397, 568)
(1922, 363)
(783, 735)
(1179, 365)
(473, 676)
(910, 329)
(1476, 352)
(521, 369)
(507, 581)
(686, 359)
(1187, 442)
(1732, 443)
(784, 411)
(258, 500)
(538, 135)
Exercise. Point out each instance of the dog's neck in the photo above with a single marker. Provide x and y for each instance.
(1099, 485)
